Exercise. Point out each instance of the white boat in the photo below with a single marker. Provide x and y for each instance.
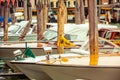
(85, 67)
(15, 30)
(70, 67)
(29, 67)
(78, 68)
(105, 46)
(77, 57)
(7, 48)
(26, 66)
(72, 32)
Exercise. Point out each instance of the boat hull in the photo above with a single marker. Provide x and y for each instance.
(32, 71)
(72, 67)
(70, 72)
(6, 52)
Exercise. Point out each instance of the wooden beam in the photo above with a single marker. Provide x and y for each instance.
(45, 14)
(5, 21)
(39, 8)
(29, 9)
(93, 32)
(26, 29)
(61, 21)
(79, 12)
(25, 9)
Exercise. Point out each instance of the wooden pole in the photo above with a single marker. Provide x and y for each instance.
(93, 32)
(12, 12)
(45, 14)
(0, 13)
(79, 12)
(5, 21)
(29, 10)
(82, 13)
(25, 9)
(23, 34)
(39, 8)
(15, 4)
(2, 8)
(61, 21)
(66, 15)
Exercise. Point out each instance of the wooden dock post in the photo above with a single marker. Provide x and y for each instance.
(39, 8)
(61, 20)
(5, 21)
(93, 31)
(79, 12)
(25, 9)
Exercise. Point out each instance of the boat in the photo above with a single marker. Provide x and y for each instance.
(7, 48)
(31, 65)
(72, 32)
(76, 67)
(31, 70)
(104, 45)
(15, 30)
(111, 34)
(93, 67)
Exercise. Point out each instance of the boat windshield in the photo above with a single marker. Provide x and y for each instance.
(50, 34)
(13, 29)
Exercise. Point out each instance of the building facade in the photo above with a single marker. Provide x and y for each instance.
(68, 3)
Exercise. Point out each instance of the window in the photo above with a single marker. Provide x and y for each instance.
(69, 4)
(74, 2)
(57, 4)
(35, 2)
(52, 4)
(20, 3)
(65, 3)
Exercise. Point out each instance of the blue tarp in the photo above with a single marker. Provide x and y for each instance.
(2, 19)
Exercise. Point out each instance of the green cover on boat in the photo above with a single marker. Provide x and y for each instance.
(28, 52)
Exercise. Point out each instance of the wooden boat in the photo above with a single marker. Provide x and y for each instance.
(111, 34)
(81, 57)
(8, 48)
(15, 30)
(79, 67)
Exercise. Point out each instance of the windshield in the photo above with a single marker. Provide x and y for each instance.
(70, 37)
(50, 34)
(13, 29)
